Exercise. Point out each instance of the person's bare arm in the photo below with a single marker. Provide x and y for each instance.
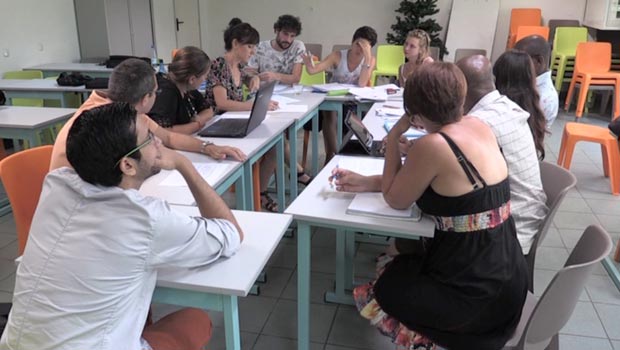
(183, 142)
(403, 184)
(224, 104)
(369, 62)
(330, 61)
(289, 79)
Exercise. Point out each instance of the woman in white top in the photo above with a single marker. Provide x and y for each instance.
(352, 66)
(416, 52)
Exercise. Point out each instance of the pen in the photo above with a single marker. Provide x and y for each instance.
(335, 176)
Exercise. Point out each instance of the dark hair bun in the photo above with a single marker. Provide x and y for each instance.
(233, 22)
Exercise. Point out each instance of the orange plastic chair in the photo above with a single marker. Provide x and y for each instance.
(522, 17)
(524, 31)
(592, 67)
(22, 175)
(575, 132)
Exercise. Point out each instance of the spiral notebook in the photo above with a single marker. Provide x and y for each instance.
(373, 204)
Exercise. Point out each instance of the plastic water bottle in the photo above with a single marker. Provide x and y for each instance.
(154, 59)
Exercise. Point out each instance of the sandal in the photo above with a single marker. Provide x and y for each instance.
(268, 203)
(301, 174)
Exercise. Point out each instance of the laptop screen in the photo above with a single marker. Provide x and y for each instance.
(260, 106)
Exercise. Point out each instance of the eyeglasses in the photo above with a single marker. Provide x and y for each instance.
(149, 139)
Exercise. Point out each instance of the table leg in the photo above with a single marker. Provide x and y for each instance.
(303, 286)
(249, 187)
(231, 323)
(292, 165)
(339, 129)
(611, 268)
(315, 144)
(241, 192)
(280, 173)
(349, 267)
(339, 295)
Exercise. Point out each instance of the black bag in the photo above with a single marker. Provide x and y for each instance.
(73, 79)
(115, 60)
(2, 98)
(97, 83)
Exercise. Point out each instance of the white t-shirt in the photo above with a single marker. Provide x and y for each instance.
(267, 59)
(89, 270)
(549, 101)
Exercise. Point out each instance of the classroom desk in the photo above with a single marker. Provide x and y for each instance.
(319, 205)
(218, 285)
(299, 120)
(26, 123)
(255, 145)
(38, 88)
(53, 69)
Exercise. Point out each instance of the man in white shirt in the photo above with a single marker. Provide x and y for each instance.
(540, 52)
(88, 273)
(280, 58)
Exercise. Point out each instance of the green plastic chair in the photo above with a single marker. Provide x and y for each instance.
(25, 74)
(565, 43)
(308, 79)
(389, 59)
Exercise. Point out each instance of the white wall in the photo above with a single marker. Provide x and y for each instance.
(326, 22)
(36, 32)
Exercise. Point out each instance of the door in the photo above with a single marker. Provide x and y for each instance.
(187, 23)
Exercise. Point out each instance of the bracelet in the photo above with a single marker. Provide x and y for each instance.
(366, 65)
(204, 146)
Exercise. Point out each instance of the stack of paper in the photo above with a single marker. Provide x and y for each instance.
(333, 88)
(286, 104)
(373, 204)
(208, 171)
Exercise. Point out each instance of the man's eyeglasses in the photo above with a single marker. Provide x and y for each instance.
(146, 142)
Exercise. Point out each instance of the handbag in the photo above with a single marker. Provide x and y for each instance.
(72, 79)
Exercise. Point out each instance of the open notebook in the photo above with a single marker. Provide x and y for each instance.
(373, 204)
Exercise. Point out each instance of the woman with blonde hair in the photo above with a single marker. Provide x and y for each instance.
(416, 50)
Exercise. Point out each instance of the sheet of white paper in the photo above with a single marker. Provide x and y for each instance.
(368, 93)
(332, 87)
(283, 100)
(290, 109)
(362, 165)
(235, 115)
(211, 172)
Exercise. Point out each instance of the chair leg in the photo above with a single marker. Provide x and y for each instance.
(569, 94)
(554, 344)
(613, 166)
(562, 152)
(581, 99)
(304, 156)
(568, 156)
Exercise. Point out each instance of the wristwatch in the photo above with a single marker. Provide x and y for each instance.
(204, 146)
(366, 65)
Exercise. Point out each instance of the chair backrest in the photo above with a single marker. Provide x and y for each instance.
(315, 49)
(308, 80)
(463, 53)
(390, 57)
(524, 17)
(554, 23)
(22, 175)
(593, 57)
(556, 305)
(25, 74)
(566, 39)
(340, 47)
(524, 31)
(433, 51)
(556, 182)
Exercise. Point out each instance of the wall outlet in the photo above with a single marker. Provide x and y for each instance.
(6, 53)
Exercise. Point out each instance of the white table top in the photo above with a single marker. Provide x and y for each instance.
(237, 274)
(319, 203)
(71, 67)
(312, 100)
(32, 117)
(38, 85)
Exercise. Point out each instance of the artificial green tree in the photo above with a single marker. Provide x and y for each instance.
(417, 15)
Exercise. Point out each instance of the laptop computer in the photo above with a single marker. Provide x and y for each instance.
(240, 127)
(365, 143)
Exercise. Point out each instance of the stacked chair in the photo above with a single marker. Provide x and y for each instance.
(522, 17)
(565, 43)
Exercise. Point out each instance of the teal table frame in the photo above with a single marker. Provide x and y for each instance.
(228, 304)
(292, 136)
(278, 142)
(612, 270)
(335, 104)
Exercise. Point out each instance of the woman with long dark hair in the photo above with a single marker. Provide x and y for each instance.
(515, 77)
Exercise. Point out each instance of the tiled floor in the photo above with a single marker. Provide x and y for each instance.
(269, 321)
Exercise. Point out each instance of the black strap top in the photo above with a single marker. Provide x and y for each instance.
(467, 166)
